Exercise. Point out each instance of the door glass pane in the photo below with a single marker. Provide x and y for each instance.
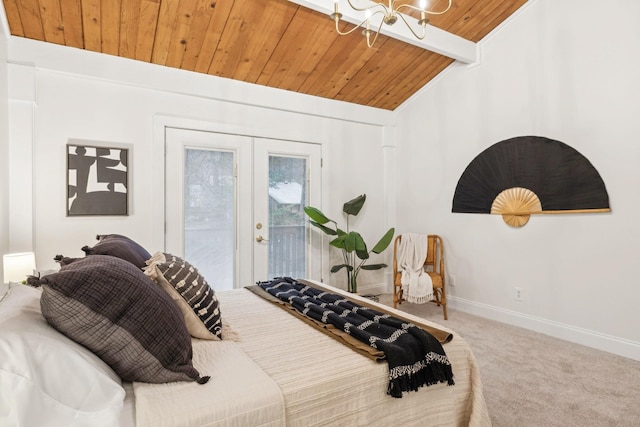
(287, 233)
(209, 215)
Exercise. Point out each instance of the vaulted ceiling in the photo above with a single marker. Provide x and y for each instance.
(275, 43)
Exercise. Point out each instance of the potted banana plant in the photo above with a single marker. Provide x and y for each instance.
(354, 249)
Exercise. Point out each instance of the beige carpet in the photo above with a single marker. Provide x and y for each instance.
(531, 379)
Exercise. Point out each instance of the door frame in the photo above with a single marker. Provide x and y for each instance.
(160, 125)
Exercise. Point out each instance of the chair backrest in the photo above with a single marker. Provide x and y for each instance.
(435, 254)
(433, 264)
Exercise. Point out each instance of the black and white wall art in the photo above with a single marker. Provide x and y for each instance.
(97, 180)
(529, 175)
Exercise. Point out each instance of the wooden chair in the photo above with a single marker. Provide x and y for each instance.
(433, 265)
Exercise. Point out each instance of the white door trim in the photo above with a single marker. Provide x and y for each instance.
(160, 125)
(161, 122)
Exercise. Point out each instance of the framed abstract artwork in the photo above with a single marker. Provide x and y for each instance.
(97, 180)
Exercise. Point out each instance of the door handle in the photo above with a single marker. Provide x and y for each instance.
(261, 239)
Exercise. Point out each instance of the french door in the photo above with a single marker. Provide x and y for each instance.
(234, 206)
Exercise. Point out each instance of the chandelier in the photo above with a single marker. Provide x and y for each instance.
(389, 14)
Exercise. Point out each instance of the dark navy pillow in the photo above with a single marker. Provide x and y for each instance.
(119, 246)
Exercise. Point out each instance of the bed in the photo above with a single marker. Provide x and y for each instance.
(270, 369)
(342, 388)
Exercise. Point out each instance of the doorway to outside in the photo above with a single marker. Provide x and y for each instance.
(234, 206)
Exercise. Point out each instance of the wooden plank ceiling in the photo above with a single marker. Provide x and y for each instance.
(273, 43)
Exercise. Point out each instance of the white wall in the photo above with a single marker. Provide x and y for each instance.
(4, 145)
(81, 95)
(566, 70)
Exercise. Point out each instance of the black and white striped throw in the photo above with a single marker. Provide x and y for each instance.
(414, 356)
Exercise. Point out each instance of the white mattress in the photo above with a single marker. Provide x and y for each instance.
(319, 380)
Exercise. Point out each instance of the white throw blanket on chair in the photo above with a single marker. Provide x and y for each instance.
(417, 286)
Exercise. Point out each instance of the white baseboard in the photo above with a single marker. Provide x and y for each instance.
(609, 343)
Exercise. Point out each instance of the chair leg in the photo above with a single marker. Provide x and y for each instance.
(441, 300)
(397, 298)
(437, 297)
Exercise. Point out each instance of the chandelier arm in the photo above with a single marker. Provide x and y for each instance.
(424, 31)
(375, 37)
(360, 25)
(346, 33)
(364, 9)
(417, 9)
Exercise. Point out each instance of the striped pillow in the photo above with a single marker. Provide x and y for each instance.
(196, 299)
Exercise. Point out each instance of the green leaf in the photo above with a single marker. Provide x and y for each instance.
(384, 242)
(360, 247)
(339, 267)
(350, 241)
(352, 207)
(373, 266)
(338, 242)
(316, 215)
(326, 230)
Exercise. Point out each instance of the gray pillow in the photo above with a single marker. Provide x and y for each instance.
(121, 247)
(110, 306)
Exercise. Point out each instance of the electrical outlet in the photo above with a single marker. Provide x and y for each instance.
(519, 296)
(452, 280)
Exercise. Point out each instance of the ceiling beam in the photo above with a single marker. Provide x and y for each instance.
(436, 40)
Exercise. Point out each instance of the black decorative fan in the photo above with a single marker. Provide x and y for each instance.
(528, 175)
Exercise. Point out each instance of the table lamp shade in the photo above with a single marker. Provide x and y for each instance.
(18, 266)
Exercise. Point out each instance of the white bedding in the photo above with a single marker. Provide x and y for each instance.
(239, 393)
(284, 372)
(128, 414)
(45, 377)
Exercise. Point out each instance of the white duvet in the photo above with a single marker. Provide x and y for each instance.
(284, 372)
(239, 393)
